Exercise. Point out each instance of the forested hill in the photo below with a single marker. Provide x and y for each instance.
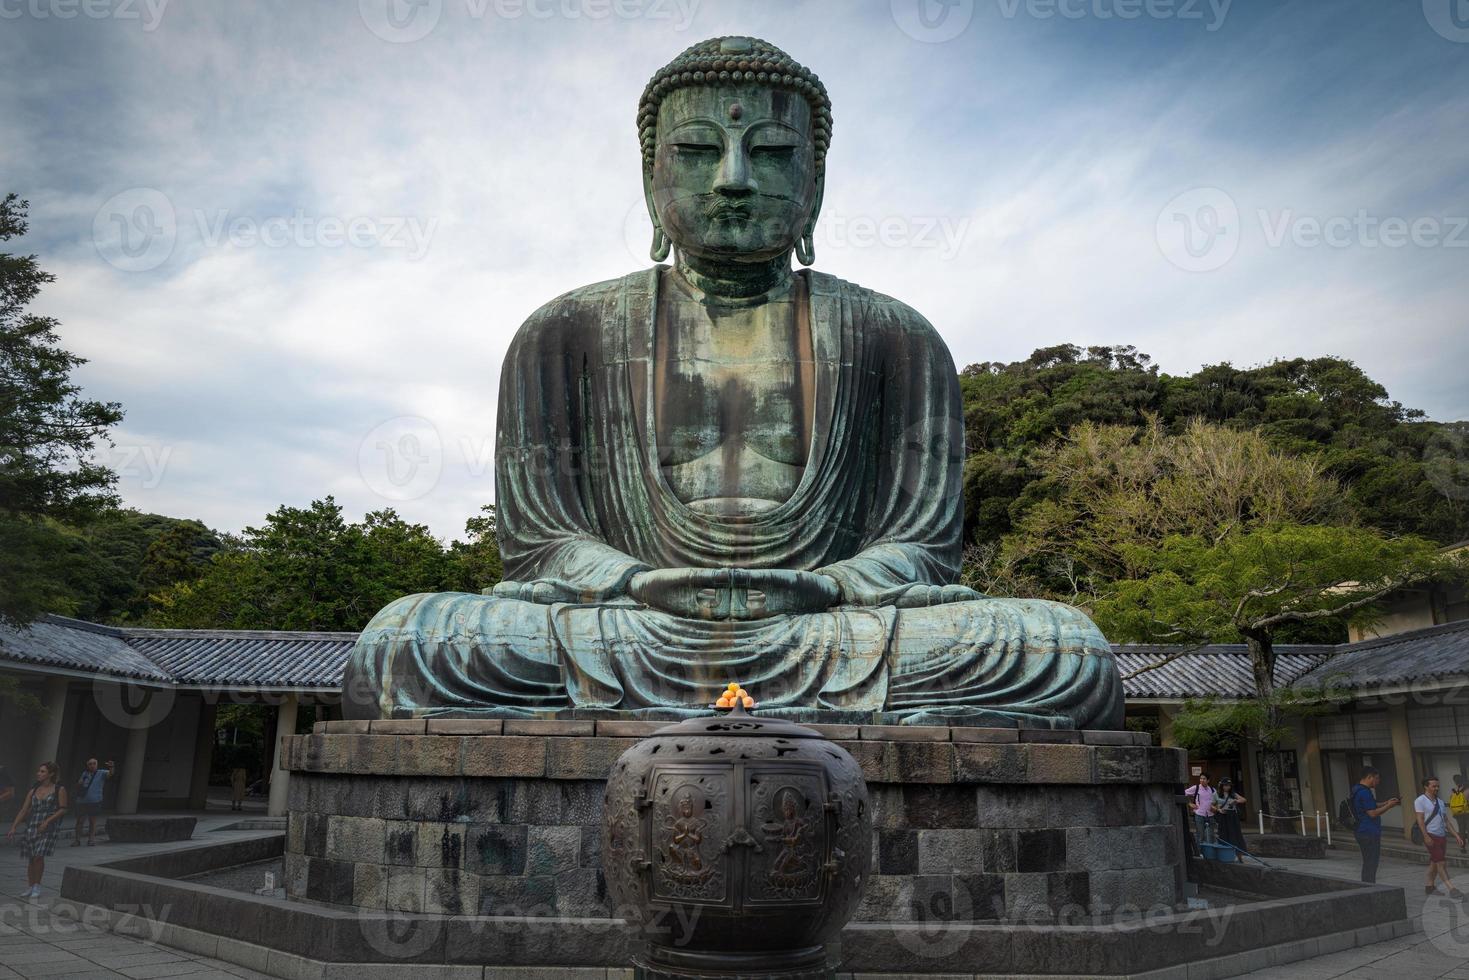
(1403, 473)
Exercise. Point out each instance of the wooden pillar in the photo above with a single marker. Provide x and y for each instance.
(203, 756)
(48, 739)
(280, 779)
(1165, 728)
(1402, 757)
(1314, 771)
(130, 778)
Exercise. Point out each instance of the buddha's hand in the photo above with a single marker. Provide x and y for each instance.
(935, 595)
(543, 591)
(732, 593)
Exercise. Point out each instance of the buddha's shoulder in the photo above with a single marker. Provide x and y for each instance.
(576, 316)
(880, 312)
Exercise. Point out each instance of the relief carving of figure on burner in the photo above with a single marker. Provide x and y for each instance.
(720, 467)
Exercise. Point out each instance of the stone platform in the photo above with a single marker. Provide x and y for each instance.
(502, 818)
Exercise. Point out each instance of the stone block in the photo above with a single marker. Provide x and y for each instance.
(950, 851)
(897, 852)
(933, 898)
(904, 733)
(998, 851)
(1027, 898)
(496, 850)
(329, 881)
(920, 762)
(979, 896)
(872, 758)
(400, 838)
(397, 726)
(406, 889)
(885, 806)
(342, 727)
(517, 895)
(356, 839)
(297, 866)
(465, 726)
(1003, 736)
(370, 886)
(1040, 850)
(590, 854)
(296, 832)
(149, 829)
(1060, 763)
(583, 758)
(1069, 894)
(552, 850)
(581, 803)
(1052, 735)
(543, 727)
(1121, 764)
(313, 842)
(582, 893)
(450, 892)
(1167, 765)
(1107, 738)
(838, 732)
(428, 755)
(886, 898)
(628, 729)
(939, 807)
(984, 762)
(440, 845)
(504, 757)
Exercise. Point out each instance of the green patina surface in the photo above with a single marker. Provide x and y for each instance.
(723, 469)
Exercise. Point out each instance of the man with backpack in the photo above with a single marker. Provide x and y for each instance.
(1432, 831)
(1365, 816)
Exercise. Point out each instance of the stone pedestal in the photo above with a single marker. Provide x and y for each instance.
(502, 818)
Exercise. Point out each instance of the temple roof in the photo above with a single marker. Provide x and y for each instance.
(307, 661)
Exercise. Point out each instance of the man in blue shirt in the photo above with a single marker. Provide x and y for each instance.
(1369, 820)
(90, 788)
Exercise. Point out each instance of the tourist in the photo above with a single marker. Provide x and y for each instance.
(239, 779)
(1368, 813)
(1433, 829)
(1202, 796)
(1459, 807)
(42, 811)
(1226, 809)
(91, 785)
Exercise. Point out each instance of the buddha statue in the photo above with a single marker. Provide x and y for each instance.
(722, 469)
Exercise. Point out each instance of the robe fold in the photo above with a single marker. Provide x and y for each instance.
(582, 505)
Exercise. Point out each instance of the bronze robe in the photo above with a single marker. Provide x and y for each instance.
(582, 503)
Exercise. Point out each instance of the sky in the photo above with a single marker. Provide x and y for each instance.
(294, 239)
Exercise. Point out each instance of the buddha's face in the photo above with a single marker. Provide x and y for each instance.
(734, 173)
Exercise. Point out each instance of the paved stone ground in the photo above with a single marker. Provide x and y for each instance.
(34, 944)
(1441, 949)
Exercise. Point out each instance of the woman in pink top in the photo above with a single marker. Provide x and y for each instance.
(1201, 800)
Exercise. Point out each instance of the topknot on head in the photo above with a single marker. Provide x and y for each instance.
(726, 60)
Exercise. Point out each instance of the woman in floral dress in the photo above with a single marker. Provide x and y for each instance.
(42, 811)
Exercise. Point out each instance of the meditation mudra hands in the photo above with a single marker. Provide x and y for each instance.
(739, 593)
(733, 593)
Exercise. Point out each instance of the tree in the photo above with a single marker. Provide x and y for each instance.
(47, 436)
(307, 568)
(1210, 535)
(475, 565)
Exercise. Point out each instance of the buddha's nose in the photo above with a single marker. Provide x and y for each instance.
(734, 175)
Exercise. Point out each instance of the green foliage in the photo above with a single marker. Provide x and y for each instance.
(47, 434)
(1401, 473)
(308, 568)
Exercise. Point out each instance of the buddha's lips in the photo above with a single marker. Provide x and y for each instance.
(726, 210)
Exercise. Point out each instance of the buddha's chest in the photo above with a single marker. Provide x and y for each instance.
(732, 400)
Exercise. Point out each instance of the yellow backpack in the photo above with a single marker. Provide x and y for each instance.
(1458, 805)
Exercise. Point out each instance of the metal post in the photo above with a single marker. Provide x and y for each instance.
(1303, 823)
(1261, 813)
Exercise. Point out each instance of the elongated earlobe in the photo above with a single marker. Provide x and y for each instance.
(661, 245)
(806, 248)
